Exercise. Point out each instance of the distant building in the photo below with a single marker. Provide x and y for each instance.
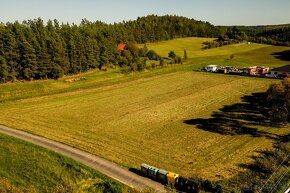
(121, 47)
(211, 68)
(283, 71)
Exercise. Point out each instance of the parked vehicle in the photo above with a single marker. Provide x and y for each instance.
(211, 68)
(169, 178)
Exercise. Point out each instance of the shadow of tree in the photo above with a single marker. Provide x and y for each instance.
(284, 55)
(239, 119)
(272, 164)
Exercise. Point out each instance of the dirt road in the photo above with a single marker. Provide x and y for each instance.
(106, 167)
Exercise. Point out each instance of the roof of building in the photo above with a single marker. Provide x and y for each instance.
(282, 68)
(121, 47)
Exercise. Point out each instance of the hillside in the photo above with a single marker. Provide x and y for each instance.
(28, 168)
(33, 50)
(192, 123)
(245, 55)
(267, 34)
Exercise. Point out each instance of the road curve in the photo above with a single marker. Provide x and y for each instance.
(106, 167)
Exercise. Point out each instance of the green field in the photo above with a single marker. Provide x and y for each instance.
(28, 168)
(244, 54)
(172, 118)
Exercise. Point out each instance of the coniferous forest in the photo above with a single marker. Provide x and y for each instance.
(36, 50)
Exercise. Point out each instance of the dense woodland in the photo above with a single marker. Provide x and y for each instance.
(270, 34)
(35, 50)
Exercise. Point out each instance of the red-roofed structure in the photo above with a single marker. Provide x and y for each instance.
(121, 47)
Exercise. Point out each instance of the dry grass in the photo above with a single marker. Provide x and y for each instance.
(143, 121)
(141, 117)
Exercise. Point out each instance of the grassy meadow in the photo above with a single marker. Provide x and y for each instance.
(244, 54)
(192, 123)
(28, 168)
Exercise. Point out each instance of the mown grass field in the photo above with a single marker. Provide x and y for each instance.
(244, 54)
(27, 168)
(159, 117)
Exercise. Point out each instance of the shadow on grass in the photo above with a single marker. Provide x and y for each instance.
(240, 118)
(272, 164)
(244, 118)
(284, 55)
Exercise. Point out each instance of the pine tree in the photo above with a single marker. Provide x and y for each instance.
(72, 56)
(27, 60)
(103, 57)
(11, 54)
(171, 54)
(3, 70)
(91, 53)
(44, 62)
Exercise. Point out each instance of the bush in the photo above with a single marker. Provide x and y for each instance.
(152, 55)
(207, 186)
(279, 101)
(126, 70)
(141, 67)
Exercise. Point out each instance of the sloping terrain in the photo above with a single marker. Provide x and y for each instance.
(192, 123)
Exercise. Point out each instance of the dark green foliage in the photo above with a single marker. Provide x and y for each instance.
(34, 50)
(218, 189)
(171, 54)
(207, 186)
(27, 60)
(272, 34)
(141, 66)
(3, 70)
(279, 101)
(143, 51)
(152, 55)
(175, 59)
(221, 41)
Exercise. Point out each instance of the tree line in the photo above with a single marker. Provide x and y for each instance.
(271, 34)
(228, 36)
(279, 102)
(37, 50)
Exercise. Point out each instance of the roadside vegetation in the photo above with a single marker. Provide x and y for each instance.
(28, 168)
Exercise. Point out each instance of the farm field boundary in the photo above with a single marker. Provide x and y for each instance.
(108, 168)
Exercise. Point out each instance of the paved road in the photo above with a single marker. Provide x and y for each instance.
(106, 167)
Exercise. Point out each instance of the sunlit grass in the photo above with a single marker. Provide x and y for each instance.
(136, 118)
